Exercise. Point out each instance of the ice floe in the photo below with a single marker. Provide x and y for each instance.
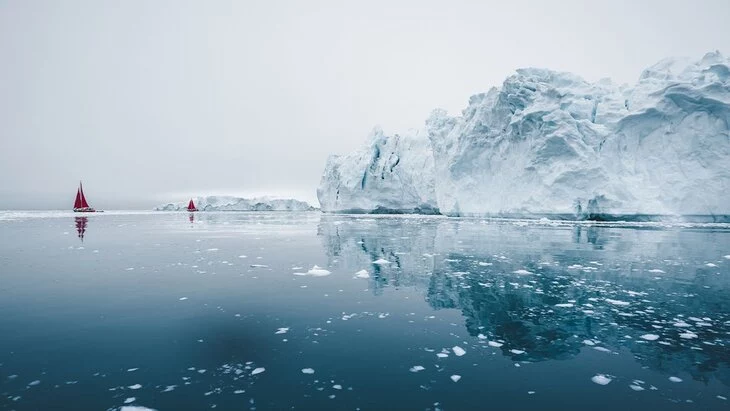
(307, 371)
(258, 370)
(675, 379)
(455, 378)
(458, 351)
(601, 379)
(649, 337)
(362, 274)
(316, 271)
(416, 368)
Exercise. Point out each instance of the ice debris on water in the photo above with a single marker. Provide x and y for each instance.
(362, 274)
(601, 379)
(455, 378)
(316, 271)
(649, 337)
(522, 272)
(258, 370)
(381, 261)
(675, 379)
(458, 351)
(282, 330)
(307, 371)
(416, 368)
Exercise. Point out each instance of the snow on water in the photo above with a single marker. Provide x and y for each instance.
(650, 337)
(601, 379)
(316, 271)
(458, 351)
(549, 142)
(362, 274)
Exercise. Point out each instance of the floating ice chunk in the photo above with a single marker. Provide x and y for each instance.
(442, 355)
(307, 371)
(483, 264)
(362, 274)
(130, 400)
(602, 349)
(522, 272)
(258, 370)
(494, 344)
(259, 266)
(316, 271)
(636, 387)
(711, 265)
(169, 388)
(135, 387)
(518, 352)
(455, 378)
(589, 342)
(482, 336)
(601, 379)
(242, 256)
(337, 386)
(239, 391)
(132, 369)
(32, 383)
(617, 302)
(656, 270)
(212, 249)
(458, 351)
(381, 261)
(564, 305)
(688, 335)
(727, 257)
(282, 330)
(649, 337)
(720, 397)
(681, 324)
(416, 368)
(675, 379)
(135, 408)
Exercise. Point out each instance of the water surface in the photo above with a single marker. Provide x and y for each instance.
(226, 310)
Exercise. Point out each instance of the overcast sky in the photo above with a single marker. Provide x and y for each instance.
(152, 101)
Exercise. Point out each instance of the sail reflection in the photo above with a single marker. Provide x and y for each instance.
(81, 223)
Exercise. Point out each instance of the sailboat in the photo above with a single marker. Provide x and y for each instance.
(80, 205)
(191, 206)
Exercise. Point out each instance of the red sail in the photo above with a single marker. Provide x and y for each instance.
(77, 203)
(191, 205)
(84, 204)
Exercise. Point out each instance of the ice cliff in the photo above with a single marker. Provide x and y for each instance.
(228, 203)
(547, 142)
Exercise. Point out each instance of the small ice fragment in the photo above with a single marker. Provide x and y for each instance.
(650, 337)
(656, 270)
(212, 249)
(381, 261)
(135, 387)
(442, 355)
(636, 387)
(617, 302)
(130, 400)
(455, 378)
(36, 382)
(720, 397)
(588, 342)
(518, 352)
(317, 271)
(307, 371)
(600, 379)
(675, 379)
(727, 257)
(602, 349)
(458, 351)
(239, 391)
(416, 368)
(258, 370)
(337, 386)
(711, 265)
(688, 335)
(494, 344)
(135, 408)
(259, 266)
(169, 388)
(132, 369)
(362, 274)
(522, 272)
(282, 330)
(242, 256)
(564, 305)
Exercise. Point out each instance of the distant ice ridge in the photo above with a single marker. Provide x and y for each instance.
(229, 203)
(547, 142)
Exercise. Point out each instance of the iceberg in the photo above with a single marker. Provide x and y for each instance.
(229, 203)
(552, 143)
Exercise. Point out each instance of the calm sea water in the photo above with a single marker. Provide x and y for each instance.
(174, 311)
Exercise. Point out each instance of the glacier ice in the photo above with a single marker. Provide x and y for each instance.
(547, 143)
(230, 203)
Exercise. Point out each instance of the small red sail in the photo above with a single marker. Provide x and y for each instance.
(77, 203)
(191, 205)
(84, 204)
